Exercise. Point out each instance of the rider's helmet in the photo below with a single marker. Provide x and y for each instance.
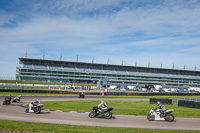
(102, 101)
(158, 103)
(37, 100)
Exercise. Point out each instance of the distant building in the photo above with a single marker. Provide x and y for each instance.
(81, 72)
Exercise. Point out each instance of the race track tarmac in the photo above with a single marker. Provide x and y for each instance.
(15, 112)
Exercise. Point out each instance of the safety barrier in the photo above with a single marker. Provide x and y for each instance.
(169, 94)
(99, 93)
(189, 104)
(162, 100)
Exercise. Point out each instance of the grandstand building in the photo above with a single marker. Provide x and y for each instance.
(81, 72)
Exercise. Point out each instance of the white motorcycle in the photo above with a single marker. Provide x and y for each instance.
(35, 107)
(159, 115)
(17, 99)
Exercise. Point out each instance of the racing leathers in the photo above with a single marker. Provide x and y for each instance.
(162, 108)
(102, 106)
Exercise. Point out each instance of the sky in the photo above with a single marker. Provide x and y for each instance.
(144, 33)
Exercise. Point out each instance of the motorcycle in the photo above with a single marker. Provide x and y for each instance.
(104, 113)
(17, 99)
(81, 95)
(159, 115)
(7, 100)
(34, 107)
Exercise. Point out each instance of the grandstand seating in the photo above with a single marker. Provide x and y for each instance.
(94, 73)
(105, 71)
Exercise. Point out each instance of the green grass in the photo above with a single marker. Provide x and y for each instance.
(27, 89)
(122, 107)
(43, 83)
(37, 127)
(46, 94)
(52, 89)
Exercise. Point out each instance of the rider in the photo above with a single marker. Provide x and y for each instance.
(37, 101)
(9, 97)
(161, 107)
(102, 106)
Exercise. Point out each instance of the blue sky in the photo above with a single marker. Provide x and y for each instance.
(142, 31)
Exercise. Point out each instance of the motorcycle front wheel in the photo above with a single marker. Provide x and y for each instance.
(151, 117)
(37, 110)
(108, 115)
(27, 110)
(92, 114)
(169, 117)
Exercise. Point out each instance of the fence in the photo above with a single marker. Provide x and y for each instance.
(7, 78)
(176, 100)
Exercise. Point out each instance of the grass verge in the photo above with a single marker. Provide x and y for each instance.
(37, 127)
(122, 107)
(45, 94)
(43, 83)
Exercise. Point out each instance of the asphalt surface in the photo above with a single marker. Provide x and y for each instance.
(15, 112)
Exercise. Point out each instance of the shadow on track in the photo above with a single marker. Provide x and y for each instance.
(44, 113)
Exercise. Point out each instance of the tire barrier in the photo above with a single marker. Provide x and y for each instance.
(122, 94)
(99, 93)
(169, 94)
(189, 104)
(162, 100)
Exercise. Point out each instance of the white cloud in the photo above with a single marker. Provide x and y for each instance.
(6, 19)
(170, 30)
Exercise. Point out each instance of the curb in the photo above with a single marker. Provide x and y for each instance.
(66, 111)
(24, 105)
